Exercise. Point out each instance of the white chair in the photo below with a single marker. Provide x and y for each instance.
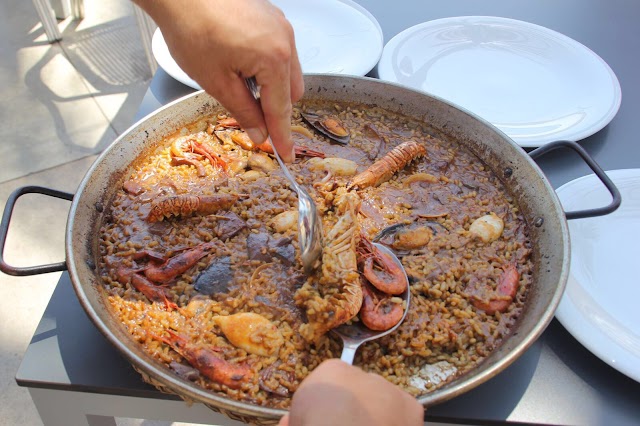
(75, 8)
(48, 16)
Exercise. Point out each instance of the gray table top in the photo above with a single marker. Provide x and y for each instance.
(557, 381)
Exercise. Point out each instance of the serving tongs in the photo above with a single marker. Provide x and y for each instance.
(309, 222)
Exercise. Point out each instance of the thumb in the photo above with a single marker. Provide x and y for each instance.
(284, 420)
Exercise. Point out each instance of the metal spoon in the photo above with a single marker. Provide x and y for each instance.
(309, 222)
(355, 334)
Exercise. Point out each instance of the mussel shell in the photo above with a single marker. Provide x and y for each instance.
(328, 126)
(386, 235)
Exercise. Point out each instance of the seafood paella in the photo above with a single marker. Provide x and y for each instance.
(200, 263)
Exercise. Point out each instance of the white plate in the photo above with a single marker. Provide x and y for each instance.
(332, 36)
(534, 84)
(600, 304)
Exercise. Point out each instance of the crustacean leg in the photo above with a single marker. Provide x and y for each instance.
(381, 270)
(178, 161)
(186, 148)
(504, 293)
(383, 169)
(227, 123)
(143, 285)
(186, 204)
(207, 361)
(178, 264)
(378, 311)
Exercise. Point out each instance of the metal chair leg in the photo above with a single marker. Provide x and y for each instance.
(147, 27)
(77, 9)
(48, 19)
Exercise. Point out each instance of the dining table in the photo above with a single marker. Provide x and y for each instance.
(76, 377)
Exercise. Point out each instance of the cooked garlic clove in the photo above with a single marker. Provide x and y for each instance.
(285, 221)
(488, 228)
(251, 332)
(251, 175)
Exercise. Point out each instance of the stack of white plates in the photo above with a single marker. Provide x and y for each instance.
(600, 304)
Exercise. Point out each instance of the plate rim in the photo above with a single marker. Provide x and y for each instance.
(168, 64)
(569, 316)
(174, 70)
(572, 136)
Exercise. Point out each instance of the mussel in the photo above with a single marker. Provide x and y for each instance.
(404, 237)
(328, 126)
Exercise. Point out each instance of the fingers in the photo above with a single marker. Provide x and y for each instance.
(338, 393)
(236, 97)
(297, 81)
(284, 420)
(276, 107)
(276, 95)
(219, 52)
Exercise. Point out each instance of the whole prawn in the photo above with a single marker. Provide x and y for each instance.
(183, 149)
(186, 204)
(180, 263)
(207, 361)
(378, 312)
(153, 292)
(383, 169)
(504, 293)
(387, 276)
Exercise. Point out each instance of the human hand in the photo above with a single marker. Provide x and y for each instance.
(220, 43)
(336, 393)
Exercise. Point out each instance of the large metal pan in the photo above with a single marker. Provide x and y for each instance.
(517, 170)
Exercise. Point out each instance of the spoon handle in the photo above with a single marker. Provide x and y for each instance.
(349, 352)
(253, 87)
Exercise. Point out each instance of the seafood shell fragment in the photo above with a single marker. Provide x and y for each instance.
(329, 126)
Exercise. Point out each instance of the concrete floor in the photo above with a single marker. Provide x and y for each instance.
(60, 105)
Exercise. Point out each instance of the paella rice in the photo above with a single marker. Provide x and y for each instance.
(199, 253)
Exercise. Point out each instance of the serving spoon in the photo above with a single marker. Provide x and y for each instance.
(309, 222)
(355, 334)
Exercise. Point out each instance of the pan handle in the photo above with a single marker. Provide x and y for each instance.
(4, 229)
(580, 214)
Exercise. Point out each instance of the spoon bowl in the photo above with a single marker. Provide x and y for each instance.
(354, 335)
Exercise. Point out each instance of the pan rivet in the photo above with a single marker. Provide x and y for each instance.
(538, 222)
(508, 172)
(99, 207)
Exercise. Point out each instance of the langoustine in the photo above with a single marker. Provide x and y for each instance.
(187, 204)
(383, 169)
(339, 294)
